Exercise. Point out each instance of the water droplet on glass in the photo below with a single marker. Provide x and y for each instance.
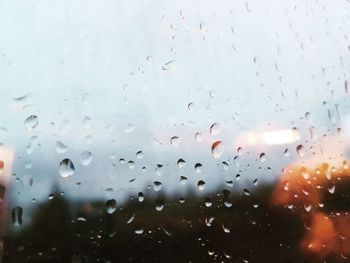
(198, 167)
(66, 168)
(130, 219)
(159, 169)
(331, 189)
(157, 186)
(60, 147)
(139, 155)
(201, 185)
(300, 150)
(181, 163)
(131, 164)
(208, 202)
(159, 205)
(183, 180)
(169, 65)
(128, 128)
(198, 137)
(138, 231)
(17, 214)
(141, 197)
(190, 106)
(86, 158)
(215, 129)
(226, 229)
(262, 157)
(209, 221)
(111, 206)
(175, 140)
(31, 122)
(217, 149)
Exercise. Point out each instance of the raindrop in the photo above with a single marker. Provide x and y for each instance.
(159, 205)
(131, 164)
(130, 219)
(183, 180)
(286, 152)
(31, 122)
(181, 163)
(307, 208)
(331, 189)
(198, 137)
(307, 115)
(215, 129)
(129, 128)
(111, 206)
(157, 186)
(139, 231)
(300, 150)
(159, 169)
(217, 149)
(60, 147)
(198, 167)
(226, 229)
(66, 168)
(175, 140)
(246, 192)
(201, 185)
(87, 122)
(239, 150)
(169, 65)
(229, 183)
(141, 197)
(86, 158)
(262, 157)
(209, 221)
(190, 106)
(17, 214)
(139, 155)
(208, 202)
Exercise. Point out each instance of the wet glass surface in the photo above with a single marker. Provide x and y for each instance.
(183, 131)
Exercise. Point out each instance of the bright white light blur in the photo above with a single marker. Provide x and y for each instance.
(273, 137)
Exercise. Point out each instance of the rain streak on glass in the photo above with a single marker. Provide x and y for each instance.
(66, 168)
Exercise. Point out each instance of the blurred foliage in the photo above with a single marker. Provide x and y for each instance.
(64, 231)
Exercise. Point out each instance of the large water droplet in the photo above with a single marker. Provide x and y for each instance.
(66, 168)
(217, 149)
(111, 206)
(31, 122)
(86, 158)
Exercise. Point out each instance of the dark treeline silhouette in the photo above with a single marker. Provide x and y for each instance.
(248, 231)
